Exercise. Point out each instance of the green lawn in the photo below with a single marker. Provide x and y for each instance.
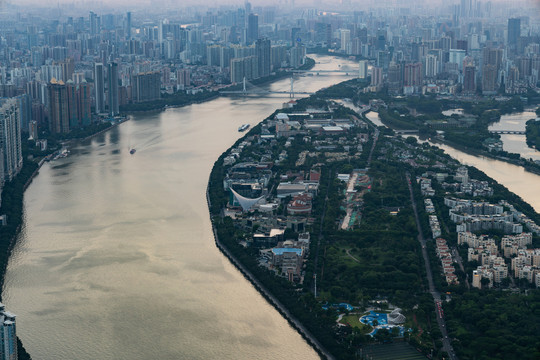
(353, 321)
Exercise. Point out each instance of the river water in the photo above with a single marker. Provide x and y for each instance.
(512, 143)
(116, 258)
(515, 178)
(516, 143)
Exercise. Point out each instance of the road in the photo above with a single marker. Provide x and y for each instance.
(457, 258)
(447, 346)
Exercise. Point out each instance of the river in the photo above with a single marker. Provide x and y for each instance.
(516, 143)
(515, 178)
(512, 143)
(116, 258)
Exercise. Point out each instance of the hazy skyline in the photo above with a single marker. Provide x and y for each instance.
(136, 3)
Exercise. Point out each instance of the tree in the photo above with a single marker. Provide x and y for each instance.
(411, 140)
(485, 282)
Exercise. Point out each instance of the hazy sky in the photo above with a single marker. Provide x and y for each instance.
(89, 4)
(114, 3)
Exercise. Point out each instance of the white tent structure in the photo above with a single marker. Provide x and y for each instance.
(245, 203)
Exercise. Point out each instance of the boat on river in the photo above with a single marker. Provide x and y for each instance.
(243, 127)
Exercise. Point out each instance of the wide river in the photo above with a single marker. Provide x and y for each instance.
(116, 258)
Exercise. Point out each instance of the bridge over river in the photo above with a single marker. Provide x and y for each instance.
(514, 132)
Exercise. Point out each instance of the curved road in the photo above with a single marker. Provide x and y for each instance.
(447, 346)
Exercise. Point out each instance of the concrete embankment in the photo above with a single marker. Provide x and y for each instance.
(293, 321)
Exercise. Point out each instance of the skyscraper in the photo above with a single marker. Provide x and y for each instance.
(183, 77)
(99, 85)
(112, 84)
(213, 55)
(84, 114)
(514, 31)
(345, 37)
(489, 79)
(432, 66)
(412, 75)
(58, 107)
(262, 48)
(128, 25)
(10, 139)
(146, 86)
(72, 104)
(376, 76)
(297, 55)
(252, 31)
(363, 69)
(469, 79)
(237, 70)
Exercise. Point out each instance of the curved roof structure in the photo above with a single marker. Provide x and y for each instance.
(245, 203)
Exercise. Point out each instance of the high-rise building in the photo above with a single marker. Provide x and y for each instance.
(278, 54)
(262, 48)
(246, 67)
(298, 55)
(252, 30)
(8, 335)
(84, 113)
(213, 55)
(58, 107)
(432, 66)
(489, 79)
(128, 25)
(10, 139)
(99, 87)
(493, 56)
(456, 57)
(146, 86)
(462, 45)
(376, 76)
(225, 56)
(514, 31)
(469, 79)
(183, 77)
(94, 23)
(412, 75)
(362, 69)
(323, 33)
(72, 104)
(237, 70)
(25, 106)
(345, 37)
(68, 68)
(395, 77)
(112, 84)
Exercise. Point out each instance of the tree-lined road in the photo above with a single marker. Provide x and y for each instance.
(447, 346)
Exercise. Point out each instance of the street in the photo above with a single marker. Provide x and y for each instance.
(447, 346)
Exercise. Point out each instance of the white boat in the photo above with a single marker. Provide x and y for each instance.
(243, 127)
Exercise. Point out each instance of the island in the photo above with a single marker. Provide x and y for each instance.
(370, 242)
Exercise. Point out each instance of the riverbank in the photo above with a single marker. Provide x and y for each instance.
(12, 203)
(293, 321)
(525, 164)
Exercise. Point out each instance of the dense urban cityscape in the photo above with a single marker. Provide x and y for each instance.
(331, 195)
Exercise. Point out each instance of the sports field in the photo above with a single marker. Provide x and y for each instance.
(393, 351)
